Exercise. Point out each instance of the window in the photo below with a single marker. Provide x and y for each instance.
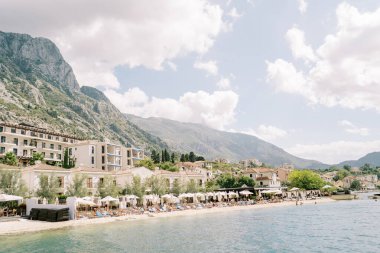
(103, 159)
(59, 147)
(52, 155)
(129, 162)
(250, 175)
(51, 146)
(89, 182)
(41, 135)
(114, 182)
(25, 142)
(103, 149)
(25, 153)
(57, 138)
(92, 160)
(200, 182)
(15, 141)
(1, 129)
(103, 168)
(49, 137)
(43, 153)
(92, 149)
(59, 156)
(15, 151)
(43, 145)
(13, 130)
(2, 150)
(61, 182)
(101, 180)
(128, 153)
(3, 139)
(23, 131)
(70, 151)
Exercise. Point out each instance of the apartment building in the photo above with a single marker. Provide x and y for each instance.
(24, 140)
(105, 156)
(264, 177)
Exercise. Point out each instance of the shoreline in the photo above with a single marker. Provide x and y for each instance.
(23, 226)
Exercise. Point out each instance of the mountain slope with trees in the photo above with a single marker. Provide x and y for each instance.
(38, 87)
(186, 137)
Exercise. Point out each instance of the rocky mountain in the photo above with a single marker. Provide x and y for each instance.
(38, 87)
(372, 158)
(211, 143)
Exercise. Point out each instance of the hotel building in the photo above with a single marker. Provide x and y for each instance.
(24, 140)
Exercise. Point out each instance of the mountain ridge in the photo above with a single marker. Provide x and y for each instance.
(38, 87)
(211, 143)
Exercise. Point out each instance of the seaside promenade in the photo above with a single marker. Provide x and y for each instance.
(27, 226)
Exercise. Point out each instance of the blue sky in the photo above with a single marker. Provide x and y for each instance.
(299, 74)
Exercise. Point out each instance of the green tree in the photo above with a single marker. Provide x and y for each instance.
(226, 180)
(347, 167)
(36, 157)
(168, 166)
(211, 186)
(78, 187)
(178, 187)
(192, 157)
(200, 158)
(136, 188)
(305, 179)
(172, 158)
(158, 185)
(66, 158)
(163, 156)
(182, 159)
(186, 157)
(148, 163)
(192, 186)
(355, 185)
(108, 187)
(342, 173)
(244, 180)
(10, 159)
(11, 183)
(48, 187)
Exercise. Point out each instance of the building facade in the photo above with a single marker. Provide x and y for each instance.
(264, 177)
(23, 140)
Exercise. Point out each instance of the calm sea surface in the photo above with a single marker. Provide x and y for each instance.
(346, 226)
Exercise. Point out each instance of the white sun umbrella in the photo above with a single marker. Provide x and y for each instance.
(81, 201)
(6, 197)
(245, 193)
(109, 198)
(294, 189)
(87, 198)
(326, 186)
(166, 196)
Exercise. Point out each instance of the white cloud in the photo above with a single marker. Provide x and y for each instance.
(335, 152)
(297, 42)
(233, 13)
(215, 110)
(302, 6)
(95, 37)
(345, 72)
(351, 128)
(265, 132)
(211, 67)
(172, 66)
(224, 83)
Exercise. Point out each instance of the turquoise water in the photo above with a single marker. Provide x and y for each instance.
(346, 226)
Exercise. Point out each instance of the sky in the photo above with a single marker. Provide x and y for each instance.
(301, 74)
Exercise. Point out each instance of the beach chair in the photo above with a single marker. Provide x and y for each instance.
(99, 214)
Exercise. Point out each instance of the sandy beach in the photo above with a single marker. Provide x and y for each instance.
(26, 226)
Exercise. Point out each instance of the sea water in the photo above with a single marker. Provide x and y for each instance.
(345, 226)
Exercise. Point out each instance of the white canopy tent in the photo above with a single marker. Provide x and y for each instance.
(6, 198)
